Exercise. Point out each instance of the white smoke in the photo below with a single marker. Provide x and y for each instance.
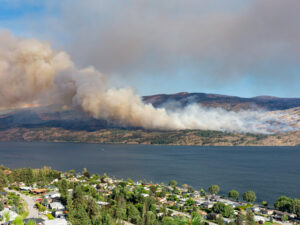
(32, 73)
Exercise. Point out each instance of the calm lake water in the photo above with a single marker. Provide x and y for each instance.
(269, 171)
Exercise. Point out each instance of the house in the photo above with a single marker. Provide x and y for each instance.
(137, 183)
(267, 211)
(182, 200)
(101, 204)
(25, 188)
(12, 214)
(260, 219)
(202, 213)
(207, 205)
(56, 222)
(227, 220)
(56, 206)
(38, 191)
(196, 194)
(280, 214)
(59, 214)
(145, 195)
(52, 195)
(198, 202)
(108, 180)
(255, 209)
(161, 200)
(7, 172)
(160, 214)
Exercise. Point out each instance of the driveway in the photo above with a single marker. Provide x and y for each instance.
(30, 202)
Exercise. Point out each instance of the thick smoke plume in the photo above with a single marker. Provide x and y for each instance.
(32, 73)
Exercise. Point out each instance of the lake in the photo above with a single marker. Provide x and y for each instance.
(269, 171)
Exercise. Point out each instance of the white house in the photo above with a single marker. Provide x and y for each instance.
(25, 188)
(102, 203)
(56, 206)
(56, 222)
(52, 194)
(59, 214)
(260, 218)
(145, 195)
(207, 205)
(12, 214)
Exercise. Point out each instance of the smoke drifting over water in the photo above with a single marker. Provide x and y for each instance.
(32, 73)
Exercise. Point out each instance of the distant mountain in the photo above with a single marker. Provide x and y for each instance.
(72, 119)
(55, 123)
(227, 102)
(43, 117)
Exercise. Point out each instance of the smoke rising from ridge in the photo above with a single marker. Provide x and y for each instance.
(32, 73)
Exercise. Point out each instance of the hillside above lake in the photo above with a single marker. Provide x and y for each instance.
(56, 124)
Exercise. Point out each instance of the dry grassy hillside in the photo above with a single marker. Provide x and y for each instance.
(185, 137)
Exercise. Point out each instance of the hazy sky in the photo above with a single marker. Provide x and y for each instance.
(244, 48)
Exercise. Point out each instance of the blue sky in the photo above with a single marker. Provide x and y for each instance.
(159, 47)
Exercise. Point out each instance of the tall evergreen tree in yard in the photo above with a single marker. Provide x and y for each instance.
(92, 208)
(120, 210)
(150, 218)
(106, 218)
(63, 189)
(241, 218)
(196, 219)
(78, 214)
(153, 189)
(245, 218)
(86, 173)
(180, 220)
(168, 221)
(41, 179)
(220, 220)
(3, 180)
(28, 176)
(250, 218)
(133, 214)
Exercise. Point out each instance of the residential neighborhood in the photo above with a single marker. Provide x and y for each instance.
(81, 198)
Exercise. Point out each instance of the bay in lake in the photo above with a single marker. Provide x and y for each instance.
(269, 171)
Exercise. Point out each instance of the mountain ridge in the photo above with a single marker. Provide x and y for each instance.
(55, 123)
(227, 102)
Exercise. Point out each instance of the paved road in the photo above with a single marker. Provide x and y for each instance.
(30, 201)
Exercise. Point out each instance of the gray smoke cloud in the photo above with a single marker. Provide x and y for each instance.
(229, 40)
(33, 73)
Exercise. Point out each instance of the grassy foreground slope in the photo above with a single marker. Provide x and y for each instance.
(125, 136)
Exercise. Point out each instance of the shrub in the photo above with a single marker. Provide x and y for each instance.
(50, 217)
(40, 207)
